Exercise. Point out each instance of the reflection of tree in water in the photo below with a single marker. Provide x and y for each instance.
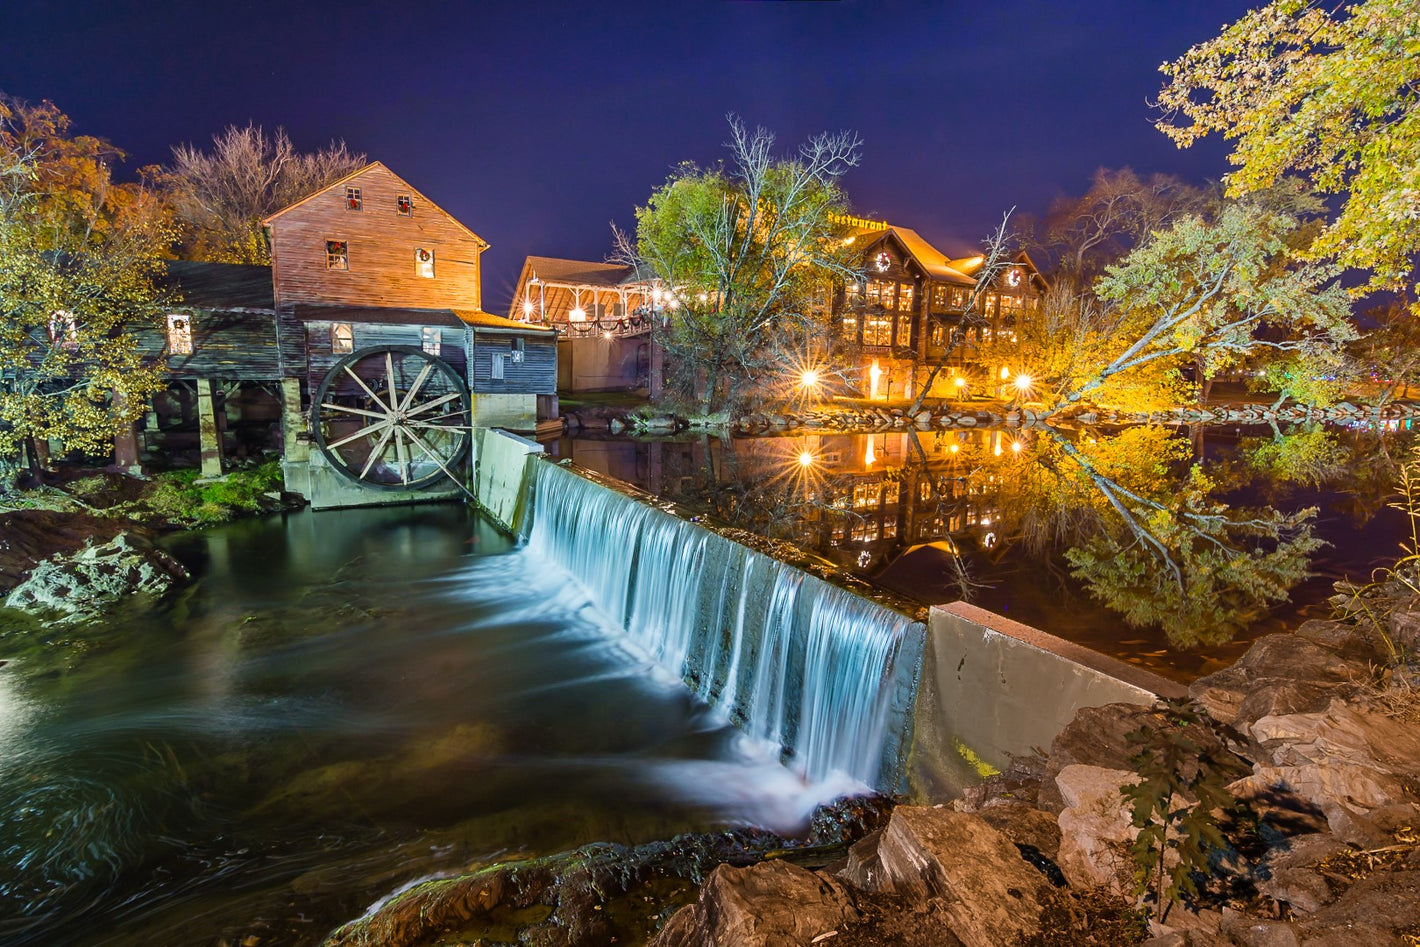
(1132, 514)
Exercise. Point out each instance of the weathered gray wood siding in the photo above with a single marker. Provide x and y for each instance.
(535, 374)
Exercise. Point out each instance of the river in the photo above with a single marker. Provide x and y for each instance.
(340, 703)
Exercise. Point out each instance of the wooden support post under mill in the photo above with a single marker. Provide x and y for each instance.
(294, 449)
(209, 433)
(125, 441)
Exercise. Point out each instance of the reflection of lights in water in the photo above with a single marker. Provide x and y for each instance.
(806, 459)
(864, 558)
(989, 541)
(808, 378)
(986, 521)
(1016, 446)
(954, 448)
(869, 457)
(14, 714)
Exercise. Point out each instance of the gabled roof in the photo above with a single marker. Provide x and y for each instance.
(366, 170)
(584, 272)
(932, 261)
(220, 285)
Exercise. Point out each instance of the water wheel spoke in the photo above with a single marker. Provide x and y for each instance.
(414, 388)
(368, 390)
(377, 452)
(401, 452)
(393, 384)
(382, 415)
(429, 405)
(363, 432)
(431, 455)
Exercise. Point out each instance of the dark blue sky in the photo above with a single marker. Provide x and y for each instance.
(537, 124)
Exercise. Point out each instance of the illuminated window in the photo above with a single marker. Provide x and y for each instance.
(179, 334)
(342, 338)
(429, 339)
(864, 532)
(904, 296)
(424, 263)
(892, 490)
(850, 328)
(63, 330)
(960, 296)
(889, 529)
(877, 330)
(853, 294)
(352, 199)
(337, 255)
(866, 495)
(880, 293)
(404, 205)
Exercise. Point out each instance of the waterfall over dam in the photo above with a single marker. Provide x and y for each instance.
(826, 674)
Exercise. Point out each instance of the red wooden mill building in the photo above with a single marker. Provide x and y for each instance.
(367, 337)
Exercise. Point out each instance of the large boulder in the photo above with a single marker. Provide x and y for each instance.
(1096, 828)
(974, 875)
(771, 904)
(1279, 674)
(81, 585)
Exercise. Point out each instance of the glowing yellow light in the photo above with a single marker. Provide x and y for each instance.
(1005, 373)
(527, 307)
(848, 241)
(869, 457)
(809, 378)
(806, 459)
(578, 314)
(1023, 383)
(1016, 446)
(960, 382)
(954, 448)
(606, 335)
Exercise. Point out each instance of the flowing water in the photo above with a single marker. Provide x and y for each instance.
(341, 703)
(799, 663)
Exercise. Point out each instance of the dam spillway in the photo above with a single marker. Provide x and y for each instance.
(828, 675)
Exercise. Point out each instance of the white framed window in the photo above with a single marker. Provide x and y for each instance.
(179, 334)
(404, 205)
(429, 339)
(353, 200)
(342, 338)
(424, 263)
(337, 255)
(63, 330)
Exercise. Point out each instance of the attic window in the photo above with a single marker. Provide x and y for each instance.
(352, 199)
(424, 263)
(179, 334)
(337, 256)
(429, 339)
(404, 205)
(342, 338)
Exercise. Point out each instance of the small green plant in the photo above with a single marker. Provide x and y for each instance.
(1356, 601)
(178, 497)
(1177, 807)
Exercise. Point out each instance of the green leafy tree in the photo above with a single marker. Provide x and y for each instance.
(1328, 92)
(79, 256)
(1213, 294)
(747, 250)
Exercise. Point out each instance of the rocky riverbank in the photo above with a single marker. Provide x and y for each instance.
(70, 551)
(1318, 735)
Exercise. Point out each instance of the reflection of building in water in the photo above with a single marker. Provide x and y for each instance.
(861, 500)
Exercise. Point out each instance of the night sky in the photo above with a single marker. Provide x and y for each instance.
(539, 124)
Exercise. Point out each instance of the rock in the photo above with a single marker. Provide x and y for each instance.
(1334, 790)
(1405, 629)
(988, 893)
(1343, 733)
(1095, 828)
(1373, 911)
(1279, 674)
(772, 903)
(1024, 825)
(81, 585)
(1098, 736)
(1291, 875)
(1254, 932)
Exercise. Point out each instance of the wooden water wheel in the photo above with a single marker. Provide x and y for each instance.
(392, 417)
